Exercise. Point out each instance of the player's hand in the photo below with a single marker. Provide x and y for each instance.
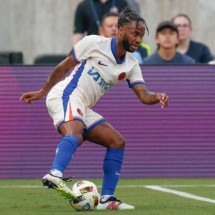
(31, 96)
(163, 98)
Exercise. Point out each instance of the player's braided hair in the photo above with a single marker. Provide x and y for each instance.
(128, 15)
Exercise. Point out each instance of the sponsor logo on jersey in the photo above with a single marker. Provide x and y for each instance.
(97, 77)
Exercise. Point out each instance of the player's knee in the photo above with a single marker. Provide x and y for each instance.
(73, 128)
(118, 143)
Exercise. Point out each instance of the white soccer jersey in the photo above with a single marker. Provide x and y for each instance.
(97, 71)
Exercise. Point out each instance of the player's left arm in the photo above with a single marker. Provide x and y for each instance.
(147, 97)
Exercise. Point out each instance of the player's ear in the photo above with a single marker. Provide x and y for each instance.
(120, 27)
(120, 30)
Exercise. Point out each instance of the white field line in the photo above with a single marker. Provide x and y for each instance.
(179, 193)
(152, 187)
(196, 185)
(167, 185)
(120, 186)
(21, 186)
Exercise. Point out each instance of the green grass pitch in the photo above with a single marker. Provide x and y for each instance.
(29, 197)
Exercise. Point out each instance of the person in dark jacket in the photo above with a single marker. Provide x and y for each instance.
(198, 51)
(167, 39)
(89, 13)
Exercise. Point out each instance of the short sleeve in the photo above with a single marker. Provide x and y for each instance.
(83, 49)
(135, 76)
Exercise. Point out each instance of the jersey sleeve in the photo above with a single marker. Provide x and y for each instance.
(83, 49)
(135, 76)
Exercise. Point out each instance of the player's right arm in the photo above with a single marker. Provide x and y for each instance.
(57, 74)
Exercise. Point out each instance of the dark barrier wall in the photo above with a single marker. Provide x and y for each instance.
(175, 142)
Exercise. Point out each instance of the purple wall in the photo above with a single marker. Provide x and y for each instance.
(175, 142)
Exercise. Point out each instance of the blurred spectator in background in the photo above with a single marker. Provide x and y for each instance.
(198, 51)
(109, 28)
(89, 13)
(142, 52)
(212, 62)
(167, 39)
(134, 6)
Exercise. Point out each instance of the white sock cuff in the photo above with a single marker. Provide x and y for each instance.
(56, 172)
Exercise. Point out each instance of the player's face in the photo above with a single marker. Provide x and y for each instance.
(132, 34)
(167, 38)
(109, 27)
(184, 27)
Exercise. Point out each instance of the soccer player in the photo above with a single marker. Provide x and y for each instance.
(98, 63)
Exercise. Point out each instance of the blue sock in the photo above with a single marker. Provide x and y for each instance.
(64, 153)
(111, 168)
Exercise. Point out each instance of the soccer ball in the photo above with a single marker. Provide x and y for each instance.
(87, 196)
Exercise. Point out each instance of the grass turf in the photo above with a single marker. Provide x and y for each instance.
(28, 197)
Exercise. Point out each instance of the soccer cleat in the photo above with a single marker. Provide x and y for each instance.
(58, 184)
(113, 203)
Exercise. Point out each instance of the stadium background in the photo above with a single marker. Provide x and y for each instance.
(177, 142)
(45, 26)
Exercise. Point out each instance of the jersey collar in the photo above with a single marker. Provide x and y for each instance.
(114, 51)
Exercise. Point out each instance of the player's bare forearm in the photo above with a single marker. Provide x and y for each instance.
(149, 98)
(58, 73)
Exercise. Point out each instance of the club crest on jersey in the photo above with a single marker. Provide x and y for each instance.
(121, 76)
